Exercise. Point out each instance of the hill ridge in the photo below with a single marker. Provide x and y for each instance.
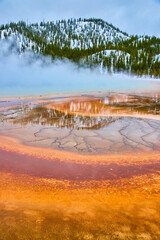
(89, 42)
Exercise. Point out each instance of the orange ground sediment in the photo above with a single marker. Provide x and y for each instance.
(13, 145)
(126, 208)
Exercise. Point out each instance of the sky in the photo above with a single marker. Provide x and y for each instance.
(132, 16)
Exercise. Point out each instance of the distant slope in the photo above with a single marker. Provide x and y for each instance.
(91, 42)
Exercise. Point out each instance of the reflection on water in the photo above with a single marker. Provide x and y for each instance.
(109, 177)
(113, 104)
(85, 112)
(51, 117)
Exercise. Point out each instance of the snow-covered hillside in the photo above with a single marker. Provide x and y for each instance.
(80, 33)
(89, 42)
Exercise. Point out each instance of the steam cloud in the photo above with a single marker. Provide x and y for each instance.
(31, 74)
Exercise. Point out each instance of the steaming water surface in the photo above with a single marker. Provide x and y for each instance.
(69, 162)
(24, 76)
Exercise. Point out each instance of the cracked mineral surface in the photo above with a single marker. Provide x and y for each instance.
(110, 124)
(80, 167)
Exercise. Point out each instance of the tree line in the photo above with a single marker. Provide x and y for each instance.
(63, 39)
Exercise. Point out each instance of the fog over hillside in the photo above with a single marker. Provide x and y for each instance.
(31, 74)
(88, 43)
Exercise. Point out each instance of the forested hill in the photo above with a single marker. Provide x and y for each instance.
(88, 42)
